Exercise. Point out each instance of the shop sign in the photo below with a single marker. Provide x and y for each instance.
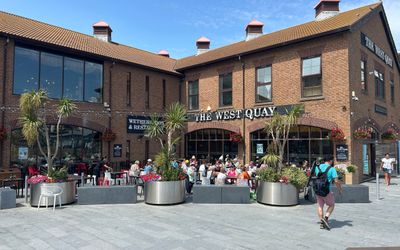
(250, 113)
(117, 150)
(22, 153)
(260, 149)
(369, 44)
(137, 124)
(342, 152)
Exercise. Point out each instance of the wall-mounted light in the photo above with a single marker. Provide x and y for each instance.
(208, 108)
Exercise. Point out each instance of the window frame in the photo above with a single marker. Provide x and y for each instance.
(379, 85)
(164, 94)
(364, 73)
(128, 88)
(63, 55)
(310, 76)
(147, 90)
(392, 91)
(190, 96)
(222, 91)
(259, 84)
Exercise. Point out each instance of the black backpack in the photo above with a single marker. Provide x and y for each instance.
(321, 183)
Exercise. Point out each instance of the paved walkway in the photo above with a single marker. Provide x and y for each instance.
(194, 226)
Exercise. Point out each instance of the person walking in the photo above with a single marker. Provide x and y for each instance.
(326, 173)
(387, 167)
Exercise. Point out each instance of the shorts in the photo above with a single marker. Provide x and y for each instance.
(329, 200)
(387, 170)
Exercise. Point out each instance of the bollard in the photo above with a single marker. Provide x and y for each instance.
(377, 186)
(82, 179)
(26, 189)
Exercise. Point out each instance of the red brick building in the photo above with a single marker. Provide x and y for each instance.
(343, 67)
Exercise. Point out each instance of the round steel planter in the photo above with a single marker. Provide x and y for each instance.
(67, 197)
(277, 194)
(164, 192)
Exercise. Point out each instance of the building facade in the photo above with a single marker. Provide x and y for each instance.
(342, 67)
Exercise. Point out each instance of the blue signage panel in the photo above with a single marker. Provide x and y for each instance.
(365, 159)
(137, 124)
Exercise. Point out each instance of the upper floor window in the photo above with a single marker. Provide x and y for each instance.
(164, 92)
(379, 84)
(311, 77)
(392, 91)
(147, 100)
(363, 68)
(225, 90)
(263, 84)
(128, 89)
(58, 75)
(193, 95)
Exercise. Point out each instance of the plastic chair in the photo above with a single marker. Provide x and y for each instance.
(50, 191)
(107, 179)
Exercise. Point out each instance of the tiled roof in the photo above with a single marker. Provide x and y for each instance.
(25, 28)
(339, 22)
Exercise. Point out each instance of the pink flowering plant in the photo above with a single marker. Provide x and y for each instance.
(390, 134)
(38, 179)
(151, 177)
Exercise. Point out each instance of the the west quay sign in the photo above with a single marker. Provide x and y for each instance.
(367, 42)
(234, 114)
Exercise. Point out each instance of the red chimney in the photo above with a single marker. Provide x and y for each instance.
(163, 53)
(203, 45)
(102, 31)
(326, 9)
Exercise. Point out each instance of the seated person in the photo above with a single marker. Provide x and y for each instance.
(221, 177)
(243, 178)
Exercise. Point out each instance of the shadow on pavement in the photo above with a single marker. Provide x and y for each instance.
(339, 224)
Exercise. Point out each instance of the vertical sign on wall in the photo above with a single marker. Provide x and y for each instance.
(365, 159)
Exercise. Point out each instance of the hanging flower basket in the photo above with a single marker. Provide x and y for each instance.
(390, 135)
(337, 134)
(108, 135)
(3, 134)
(363, 133)
(235, 137)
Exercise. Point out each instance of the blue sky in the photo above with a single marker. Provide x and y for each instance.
(176, 25)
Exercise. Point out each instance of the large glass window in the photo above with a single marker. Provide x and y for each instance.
(392, 91)
(73, 79)
(58, 75)
(76, 143)
(379, 85)
(311, 77)
(93, 82)
(26, 70)
(225, 90)
(51, 74)
(193, 89)
(264, 84)
(305, 143)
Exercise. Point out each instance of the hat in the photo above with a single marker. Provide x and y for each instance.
(149, 160)
(193, 157)
(186, 161)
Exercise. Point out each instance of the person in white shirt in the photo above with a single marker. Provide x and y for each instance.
(387, 167)
(203, 172)
(220, 180)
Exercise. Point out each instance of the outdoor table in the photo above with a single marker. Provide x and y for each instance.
(15, 182)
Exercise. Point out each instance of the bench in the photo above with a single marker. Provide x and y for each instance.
(8, 198)
(351, 194)
(224, 194)
(91, 195)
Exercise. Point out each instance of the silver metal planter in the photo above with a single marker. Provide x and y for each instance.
(278, 194)
(67, 197)
(164, 192)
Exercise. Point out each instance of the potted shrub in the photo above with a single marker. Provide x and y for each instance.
(390, 135)
(337, 135)
(350, 175)
(279, 185)
(363, 133)
(168, 187)
(35, 109)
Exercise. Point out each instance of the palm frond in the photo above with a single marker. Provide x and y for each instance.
(65, 107)
(155, 128)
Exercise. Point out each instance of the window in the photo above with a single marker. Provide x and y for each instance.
(51, 74)
(363, 65)
(379, 85)
(180, 91)
(73, 79)
(58, 75)
(147, 100)
(225, 89)
(163, 92)
(193, 101)
(93, 82)
(263, 84)
(392, 91)
(311, 77)
(128, 89)
(26, 70)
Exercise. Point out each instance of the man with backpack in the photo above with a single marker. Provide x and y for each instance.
(325, 175)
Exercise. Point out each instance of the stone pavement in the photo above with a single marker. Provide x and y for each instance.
(201, 226)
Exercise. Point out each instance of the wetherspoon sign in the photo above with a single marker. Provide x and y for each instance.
(367, 42)
(250, 113)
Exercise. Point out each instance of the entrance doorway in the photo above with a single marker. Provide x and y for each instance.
(210, 144)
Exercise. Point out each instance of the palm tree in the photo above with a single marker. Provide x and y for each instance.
(173, 122)
(278, 128)
(33, 119)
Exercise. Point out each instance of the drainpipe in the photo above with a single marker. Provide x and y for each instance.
(3, 98)
(243, 107)
(109, 110)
